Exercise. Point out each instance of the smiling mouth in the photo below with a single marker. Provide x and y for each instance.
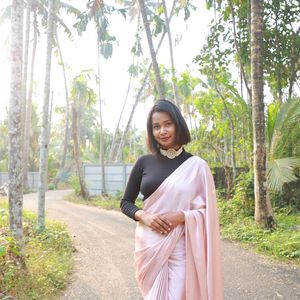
(164, 139)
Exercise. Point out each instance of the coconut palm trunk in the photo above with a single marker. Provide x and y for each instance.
(263, 209)
(158, 80)
(24, 90)
(238, 51)
(45, 122)
(137, 98)
(101, 154)
(27, 132)
(174, 85)
(113, 151)
(83, 188)
(15, 145)
(67, 116)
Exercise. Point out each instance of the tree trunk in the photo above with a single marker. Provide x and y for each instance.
(44, 132)
(15, 145)
(123, 138)
(67, 117)
(83, 189)
(27, 133)
(242, 68)
(113, 144)
(175, 88)
(101, 154)
(263, 209)
(122, 142)
(24, 90)
(113, 153)
(49, 127)
(293, 63)
(279, 65)
(232, 130)
(159, 84)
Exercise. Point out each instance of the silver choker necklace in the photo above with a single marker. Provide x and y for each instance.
(171, 153)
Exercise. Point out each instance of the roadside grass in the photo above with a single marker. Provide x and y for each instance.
(48, 258)
(282, 243)
(106, 202)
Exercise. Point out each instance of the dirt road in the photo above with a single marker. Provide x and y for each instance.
(104, 258)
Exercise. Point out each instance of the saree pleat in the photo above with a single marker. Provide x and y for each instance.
(184, 264)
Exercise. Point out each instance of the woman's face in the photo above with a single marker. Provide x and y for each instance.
(164, 130)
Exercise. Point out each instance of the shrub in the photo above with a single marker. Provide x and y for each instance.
(75, 184)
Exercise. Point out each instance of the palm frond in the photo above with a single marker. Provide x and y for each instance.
(288, 114)
(70, 9)
(281, 171)
(61, 23)
(282, 119)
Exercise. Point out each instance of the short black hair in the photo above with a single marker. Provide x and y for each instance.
(182, 132)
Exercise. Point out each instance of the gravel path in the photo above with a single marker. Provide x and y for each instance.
(104, 258)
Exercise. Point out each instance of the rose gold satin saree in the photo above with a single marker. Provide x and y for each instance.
(184, 264)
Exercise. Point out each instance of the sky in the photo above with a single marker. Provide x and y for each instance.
(81, 54)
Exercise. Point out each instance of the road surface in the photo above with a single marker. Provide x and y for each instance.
(104, 241)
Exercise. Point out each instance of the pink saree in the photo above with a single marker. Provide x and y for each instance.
(186, 263)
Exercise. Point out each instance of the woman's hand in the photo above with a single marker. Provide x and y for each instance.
(173, 218)
(156, 222)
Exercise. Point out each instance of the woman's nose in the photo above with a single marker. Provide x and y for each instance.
(163, 130)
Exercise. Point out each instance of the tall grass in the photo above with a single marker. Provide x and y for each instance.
(48, 258)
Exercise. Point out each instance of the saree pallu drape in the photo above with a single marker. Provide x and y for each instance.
(186, 263)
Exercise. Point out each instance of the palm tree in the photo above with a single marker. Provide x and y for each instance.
(38, 7)
(113, 153)
(15, 122)
(28, 110)
(174, 84)
(25, 71)
(75, 136)
(97, 11)
(67, 114)
(140, 91)
(159, 84)
(81, 95)
(282, 122)
(263, 209)
(45, 122)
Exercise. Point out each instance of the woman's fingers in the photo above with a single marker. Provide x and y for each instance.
(160, 225)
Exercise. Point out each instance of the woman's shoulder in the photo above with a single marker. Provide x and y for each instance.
(144, 159)
(199, 161)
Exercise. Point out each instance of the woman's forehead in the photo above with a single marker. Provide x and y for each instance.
(160, 116)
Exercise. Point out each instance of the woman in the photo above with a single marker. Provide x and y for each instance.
(177, 251)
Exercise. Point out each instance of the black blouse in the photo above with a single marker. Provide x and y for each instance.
(146, 176)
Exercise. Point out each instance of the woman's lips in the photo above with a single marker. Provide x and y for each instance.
(164, 139)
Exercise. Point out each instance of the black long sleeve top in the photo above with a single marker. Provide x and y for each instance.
(146, 176)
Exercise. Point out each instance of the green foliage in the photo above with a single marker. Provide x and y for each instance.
(288, 198)
(48, 259)
(243, 198)
(51, 186)
(282, 126)
(158, 24)
(283, 243)
(281, 40)
(98, 12)
(75, 184)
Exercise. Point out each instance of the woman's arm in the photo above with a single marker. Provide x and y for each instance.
(132, 190)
